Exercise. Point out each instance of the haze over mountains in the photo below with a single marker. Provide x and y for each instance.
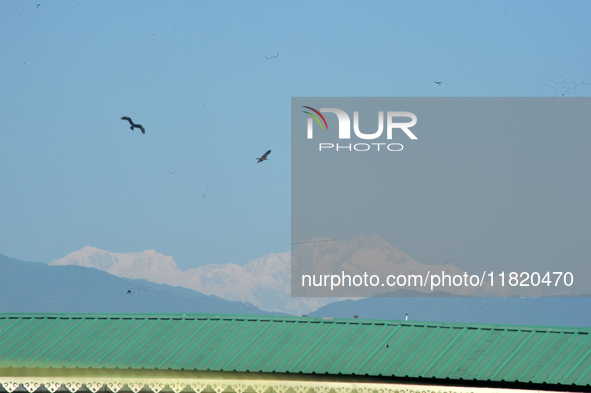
(263, 282)
(266, 282)
(372, 256)
(569, 311)
(36, 287)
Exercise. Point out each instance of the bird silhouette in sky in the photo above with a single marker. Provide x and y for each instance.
(263, 157)
(439, 83)
(133, 125)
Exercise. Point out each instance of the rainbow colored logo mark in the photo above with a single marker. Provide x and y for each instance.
(315, 117)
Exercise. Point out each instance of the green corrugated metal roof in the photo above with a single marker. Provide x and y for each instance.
(298, 345)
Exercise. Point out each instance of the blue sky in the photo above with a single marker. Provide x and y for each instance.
(194, 74)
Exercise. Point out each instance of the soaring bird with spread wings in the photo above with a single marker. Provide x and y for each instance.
(133, 125)
(263, 157)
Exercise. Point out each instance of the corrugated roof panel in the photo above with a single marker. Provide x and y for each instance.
(224, 344)
(219, 340)
(409, 343)
(432, 341)
(317, 345)
(577, 369)
(298, 345)
(525, 359)
(248, 347)
(233, 349)
(455, 343)
(396, 336)
(485, 352)
(568, 371)
(121, 344)
(479, 340)
(542, 350)
(46, 347)
(201, 335)
(63, 351)
(373, 361)
(276, 337)
(296, 349)
(284, 338)
(488, 366)
(435, 344)
(354, 340)
(40, 335)
(152, 338)
(134, 342)
(515, 363)
(318, 360)
(533, 369)
(180, 333)
(16, 337)
(104, 339)
(374, 339)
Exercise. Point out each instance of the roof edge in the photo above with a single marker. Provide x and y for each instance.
(196, 316)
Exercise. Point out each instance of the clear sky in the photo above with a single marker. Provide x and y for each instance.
(195, 75)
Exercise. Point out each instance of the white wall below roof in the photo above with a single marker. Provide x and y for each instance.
(201, 385)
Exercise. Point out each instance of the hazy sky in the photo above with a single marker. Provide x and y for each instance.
(194, 74)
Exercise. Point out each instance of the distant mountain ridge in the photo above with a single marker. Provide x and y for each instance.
(36, 287)
(566, 311)
(263, 282)
(149, 265)
(28, 287)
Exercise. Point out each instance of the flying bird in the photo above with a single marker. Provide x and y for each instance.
(439, 83)
(263, 157)
(133, 125)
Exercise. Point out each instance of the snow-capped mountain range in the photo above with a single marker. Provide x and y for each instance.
(263, 282)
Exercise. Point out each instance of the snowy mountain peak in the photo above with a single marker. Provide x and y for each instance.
(149, 265)
(264, 282)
